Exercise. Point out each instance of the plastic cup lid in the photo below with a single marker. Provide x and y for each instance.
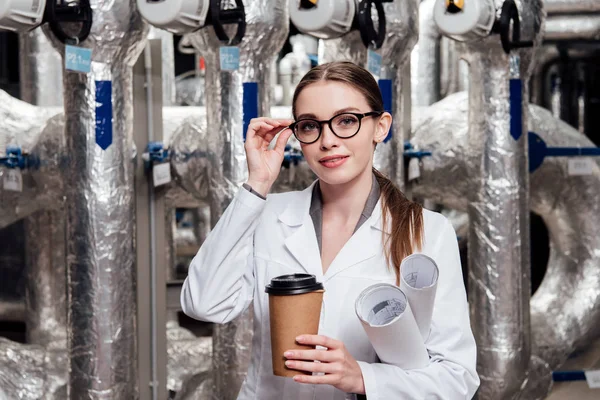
(293, 284)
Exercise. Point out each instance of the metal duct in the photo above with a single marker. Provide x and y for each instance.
(572, 27)
(401, 35)
(266, 31)
(499, 212)
(98, 176)
(425, 59)
(40, 70)
(571, 6)
(168, 64)
(566, 307)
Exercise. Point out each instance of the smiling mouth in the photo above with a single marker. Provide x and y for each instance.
(330, 160)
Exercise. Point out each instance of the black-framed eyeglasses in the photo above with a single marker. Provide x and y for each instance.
(344, 126)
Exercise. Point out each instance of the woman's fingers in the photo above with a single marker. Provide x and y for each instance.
(328, 379)
(319, 340)
(320, 355)
(310, 366)
(282, 140)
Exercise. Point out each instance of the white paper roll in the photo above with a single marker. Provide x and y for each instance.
(385, 314)
(419, 277)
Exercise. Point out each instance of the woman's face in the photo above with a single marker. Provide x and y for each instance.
(333, 159)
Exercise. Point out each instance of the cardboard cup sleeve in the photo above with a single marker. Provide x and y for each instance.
(419, 278)
(386, 316)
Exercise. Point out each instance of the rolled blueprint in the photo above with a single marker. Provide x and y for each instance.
(386, 316)
(419, 277)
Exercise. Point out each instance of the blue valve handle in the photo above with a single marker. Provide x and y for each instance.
(156, 153)
(538, 151)
(14, 158)
(416, 154)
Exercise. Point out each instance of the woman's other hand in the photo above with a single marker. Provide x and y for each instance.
(264, 164)
(341, 369)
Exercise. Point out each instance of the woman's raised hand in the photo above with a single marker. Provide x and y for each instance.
(264, 164)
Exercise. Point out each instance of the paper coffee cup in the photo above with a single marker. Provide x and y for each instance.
(295, 303)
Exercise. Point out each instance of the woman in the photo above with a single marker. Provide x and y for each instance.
(351, 228)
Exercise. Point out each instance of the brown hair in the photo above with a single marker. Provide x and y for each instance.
(407, 216)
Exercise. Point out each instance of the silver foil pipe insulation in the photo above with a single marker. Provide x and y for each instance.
(266, 31)
(498, 210)
(98, 177)
(41, 74)
(21, 125)
(36, 372)
(425, 59)
(168, 64)
(40, 70)
(46, 279)
(572, 27)
(571, 6)
(32, 372)
(566, 307)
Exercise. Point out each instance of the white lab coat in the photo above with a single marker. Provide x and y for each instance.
(256, 240)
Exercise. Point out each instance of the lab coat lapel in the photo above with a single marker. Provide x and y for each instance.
(364, 244)
(302, 242)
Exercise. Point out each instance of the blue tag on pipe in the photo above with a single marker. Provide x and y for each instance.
(229, 58)
(104, 114)
(516, 108)
(78, 59)
(374, 63)
(386, 87)
(249, 104)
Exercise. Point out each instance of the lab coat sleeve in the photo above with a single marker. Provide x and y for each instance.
(220, 280)
(451, 373)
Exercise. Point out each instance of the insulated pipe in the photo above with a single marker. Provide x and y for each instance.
(566, 307)
(571, 6)
(572, 27)
(40, 70)
(402, 22)
(498, 213)
(98, 176)
(235, 97)
(46, 276)
(46, 318)
(425, 62)
(168, 64)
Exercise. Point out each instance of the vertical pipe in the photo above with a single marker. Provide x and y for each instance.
(45, 296)
(499, 282)
(426, 59)
(168, 64)
(40, 69)
(499, 231)
(100, 209)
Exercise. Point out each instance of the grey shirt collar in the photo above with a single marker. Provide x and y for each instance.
(316, 209)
